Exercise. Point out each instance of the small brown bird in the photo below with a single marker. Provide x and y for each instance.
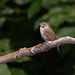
(47, 33)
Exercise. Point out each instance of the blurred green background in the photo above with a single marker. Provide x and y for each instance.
(19, 28)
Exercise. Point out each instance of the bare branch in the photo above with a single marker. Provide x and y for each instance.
(43, 47)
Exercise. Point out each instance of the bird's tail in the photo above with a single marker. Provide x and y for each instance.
(58, 49)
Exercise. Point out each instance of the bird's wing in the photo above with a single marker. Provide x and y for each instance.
(50, 34)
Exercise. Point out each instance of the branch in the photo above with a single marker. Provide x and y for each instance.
(43, 47)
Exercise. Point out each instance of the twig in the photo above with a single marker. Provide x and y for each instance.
(43, 47)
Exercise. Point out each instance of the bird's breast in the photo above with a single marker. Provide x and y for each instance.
(42, 31)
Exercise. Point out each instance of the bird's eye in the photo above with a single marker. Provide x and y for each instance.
(42, 26)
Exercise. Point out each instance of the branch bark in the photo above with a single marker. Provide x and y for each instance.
(43, 47)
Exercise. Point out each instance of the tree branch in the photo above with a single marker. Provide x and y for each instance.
(43, 47)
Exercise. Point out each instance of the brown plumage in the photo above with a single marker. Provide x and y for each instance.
(47, 33)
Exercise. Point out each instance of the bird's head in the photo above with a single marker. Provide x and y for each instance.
(43, 24)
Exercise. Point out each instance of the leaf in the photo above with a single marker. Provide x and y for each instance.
(4, 70)
(5, 47)
(68, 1)
(2, 20)
(57, 20)
(17, 71)
(47, 3)
(24, 59)
(66, 31)
(34, 8)
(58, 15)
(58, 10)
(7, 11)
(4, 44)
(22, 2)
(71, 14)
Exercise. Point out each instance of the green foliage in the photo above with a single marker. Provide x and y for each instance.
(17, 71)
(22, 2)
(5, 46)
(67, 31)
(2, 20)
(4, 70)
(56, 16)
(7, 11)
(19, 27)
(34, 8)
(24, 59)
(49, 3)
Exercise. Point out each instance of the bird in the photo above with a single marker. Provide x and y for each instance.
(47, 33)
